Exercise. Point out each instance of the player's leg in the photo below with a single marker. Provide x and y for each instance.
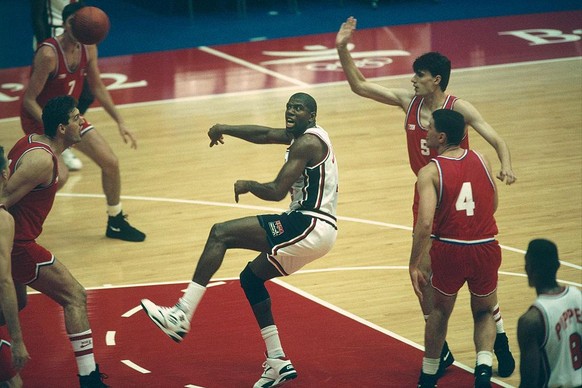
(97, 149)
(484, 337)
(243, 233)
(278, 369)
(435, 333)
(56, 282)
(505, 360)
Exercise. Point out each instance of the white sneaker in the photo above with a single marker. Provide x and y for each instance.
(171, 320)
(277, 372)
(71, 161)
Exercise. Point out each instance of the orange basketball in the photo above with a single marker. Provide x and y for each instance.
(90, 25)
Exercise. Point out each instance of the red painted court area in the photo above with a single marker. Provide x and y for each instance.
(312, 59)
(224, 347)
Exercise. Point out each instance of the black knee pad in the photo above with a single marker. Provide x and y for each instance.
(253, 286)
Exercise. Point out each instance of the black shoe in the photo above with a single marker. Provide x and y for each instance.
(118, 227)
(505, 361)
(447, 360)
(483, 376)
(427, 381)
(94, 380)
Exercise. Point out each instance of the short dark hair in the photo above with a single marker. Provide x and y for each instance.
(451, 123)
(436, 64)
(307, 100)
(71, 9)
(2, 159)
(542, 256)
(56, 112)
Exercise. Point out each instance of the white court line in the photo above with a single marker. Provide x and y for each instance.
(251, 66)
(369, 324)
(110, 338)
(264, 208)
(136, 367)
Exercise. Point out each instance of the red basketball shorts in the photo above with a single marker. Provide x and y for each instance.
(454, 264)
(27, 259)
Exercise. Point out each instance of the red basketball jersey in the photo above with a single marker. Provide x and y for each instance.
(63, 81)
(30, 212)
(466, 197)
(419, 154)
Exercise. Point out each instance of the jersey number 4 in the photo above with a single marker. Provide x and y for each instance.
(465, 199)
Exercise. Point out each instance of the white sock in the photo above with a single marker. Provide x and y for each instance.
(189, 301)
(271, 336)
(83, 349)
(498, 320)
(485, 358)
(430, 366)
(114, 210)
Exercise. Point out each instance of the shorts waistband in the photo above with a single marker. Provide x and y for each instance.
(465, 242)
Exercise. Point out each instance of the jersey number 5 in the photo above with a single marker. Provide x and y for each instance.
(424, 150)
(465, 199)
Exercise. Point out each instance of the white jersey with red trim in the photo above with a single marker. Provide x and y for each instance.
(316, 190)
(562, 346)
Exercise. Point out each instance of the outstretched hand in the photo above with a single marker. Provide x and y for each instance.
(215, 135)
(346, 31)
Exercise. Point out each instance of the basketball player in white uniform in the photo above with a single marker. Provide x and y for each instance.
(285, 242)
(550, 332)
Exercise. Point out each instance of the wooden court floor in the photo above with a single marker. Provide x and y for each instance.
(175, 187)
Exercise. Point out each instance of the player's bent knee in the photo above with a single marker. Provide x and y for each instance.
(253, 286)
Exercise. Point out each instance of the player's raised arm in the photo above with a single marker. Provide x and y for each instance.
(357, 81)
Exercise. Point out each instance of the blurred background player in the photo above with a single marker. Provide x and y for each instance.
(61, 66)
(550, 332)
(13, 353)
(430, 80)
(47, 22)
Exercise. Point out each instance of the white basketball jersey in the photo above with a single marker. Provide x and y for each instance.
(562, 346)
(317, 187)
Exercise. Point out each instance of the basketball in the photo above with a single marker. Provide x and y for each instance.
(90, 25)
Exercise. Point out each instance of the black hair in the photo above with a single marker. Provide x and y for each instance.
(542, 256)
(71, 9)
(56, 112)
(451, 123)
(307, 100)
(436, 64)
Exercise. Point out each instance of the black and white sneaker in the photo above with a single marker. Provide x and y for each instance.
(447, 360)
(94, 380)
(483, 376)
(427, 381)
(119, 228)
(505, 361)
